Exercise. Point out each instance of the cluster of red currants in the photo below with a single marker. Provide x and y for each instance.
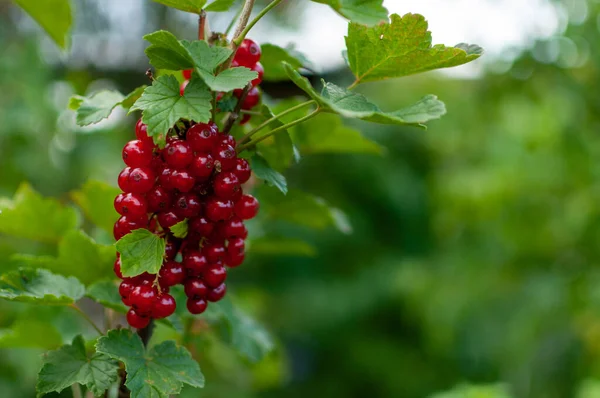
(197, 177)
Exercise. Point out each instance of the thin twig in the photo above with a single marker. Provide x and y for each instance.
(233, 116)
(87, 318)
(239, 38)
(243, 21)
(201, 25)
(232, 23)
(76, 388)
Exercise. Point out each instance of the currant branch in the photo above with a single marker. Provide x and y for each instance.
(251, 24)
(233, 116)
(243, 21)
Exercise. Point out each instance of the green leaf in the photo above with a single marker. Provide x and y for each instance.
(163, 106)
(180, 230)
(229, 79)
(107, 294)
(205, 57)
(141, 251)
(70, 364)
(263, 171)
(40, 286)
(368, 12)
(400, 48)
(96, 200)
(31, 216)
(220, 5)
(334, 99)
(52, 15)
(194, 6)
(99, 106)
(157, 372)
(278, 149)
(78, 255)
(166, 52)
(271, 59)
(133, 96)
(326, 133)
(25, 333)
(278, 246)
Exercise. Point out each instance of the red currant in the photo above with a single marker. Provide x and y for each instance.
(258, 68)
(201, 227)
(141, 179)
(117, 267)
(226, 156)
(159, 199)
(172, 248)
(178, 154)
(125, 289)
(236, 246)
(227, 139)
(202, 137)
(125, 225)
(246, 207)
(164, 178)
(187, 74)
(242, 170)
(252, 99)
(164, 306)
(136, 320)
(182, 180)
(248, 54)
(214, 252)
(131, 204)
(168, 218)
(183, 86)
(195, 262)
(245, 119)
(142, 298)
(202, 166)
(187, 205)
(234, 259)
(217, 293)
(137, 153)
(214, 276)
(226, 185)
(196, 306)
(171, 273)
(195, 288)
(124, 180)
(233, 228)
(219, 210)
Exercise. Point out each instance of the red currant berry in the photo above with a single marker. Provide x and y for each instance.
(142, 298)
(202, 166)
(195, 288)
(214, 252)
(141, 131)
(195, 262)
(214, 275)
(136, 320)
(234, 259)
(203, 188)
(141, 179)
(172, 248)
(258, 68)
(219, 210)
(242, 170)
(236, 246)
(183, 86)
(233, 228)
(196, 306)
(131, 204)
(202, 137)
(227, 139)
(171, 273)
(248, 54)
(136, 153)
(125, 289)
(246, 207)
(164, 178)
(117, 267)
(252, 99)
(168, 218)
(125, 225)
(187, 205)
(226, 185)
(245, 119)
(201, 227)
(217, 293)
(164, 306)
(187, 74)
(178, 154)
(159, 199)
(226, 156)
(124, 180)
(182, 180)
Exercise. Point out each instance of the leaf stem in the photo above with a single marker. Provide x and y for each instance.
(247, 137)
(350, 87)
(233, 116)
(314, 113)
(243, 20)
(86, 317)
(238, 40)
(201, 25)
(233, 20)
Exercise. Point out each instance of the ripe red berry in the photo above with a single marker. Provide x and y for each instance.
(236, 246)
(201, 227)
(125, 289)
(131, 204)
(202, 137)
(245, 119)
(226, 185)
(258, 68)
(168, 218)
(214, 252)
(233, 228)
(195, 262)
(117, 267)
(246, 207)
(141, 131)
(124, 180)
(196, 306)
(141, 179)
(164, 178)
(183, 86)
(242, 170)
(125, 225)
(227, 139)
(172, 248)
(178, 154)
(182, 180)
(159, 199)
(214, 276)
(219, 210)
(234, 259)
(226, 156)
(187, 74)
(217, 293)
(137, 153)
(252, 99)
(195, 288)
(164, 306)
(248, 54)
(136, 320)
(202, 166)
(171, 273)
(187, 205)
(142, 298)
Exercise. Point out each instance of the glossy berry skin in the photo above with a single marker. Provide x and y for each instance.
(195, 288)
(117, 267)
(219, 210)
(183, 86)
(171, 273)
(217, 293)
(164, 306)
(159, 199)
(125, 289)
(236, 246)
(195, 262)
(187, 205)
(252, 99)
(136, 320)
(242, 170)
(258, 68)
(226, 156)
(125, 225)
(214, 252)
(172, 248)
(168, 218)
(131, 204)
(124, 180)
(182, 180)
(187, 74)
(227, 139)
(196, 306)
(245, 119)
(226, 185)
(178, 154)
(232, 228)
(202, 137)
(142, 298)
(137, 153)
(234, 259)
(201, 226)
(141, 179)
(246, 207)
(214, 276)
(248, 54)
(202, 166)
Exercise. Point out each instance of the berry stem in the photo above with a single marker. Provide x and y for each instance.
(252, 113)
(239, 38)
(350, 87)
(243, 20)
(247, 137)
(232, 23)
(314, 113)
(201, 25)
(233, 116)
(87, 318)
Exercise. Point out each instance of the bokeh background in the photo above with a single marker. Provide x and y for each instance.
(472, 268)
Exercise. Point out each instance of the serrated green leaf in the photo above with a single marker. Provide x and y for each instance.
(229, 79)
(263, 171)
(31, 216)
(70, 364)
(133, 96)
(400, 48)
(277, 150)
(78, 255)
(278, 246)
(25, 333)
(96, 198)
(107, 294)
(194, 6)
(204, 56)
(52, 15)
(163, 106)
(219, 5)
(271, 59)
(157, 372)
(166, 52)
(141, 251)
(368, 12)
(180, 230)
(99, 105)
(40, 286)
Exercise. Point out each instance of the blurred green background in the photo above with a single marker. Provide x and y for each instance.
(473, 263)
